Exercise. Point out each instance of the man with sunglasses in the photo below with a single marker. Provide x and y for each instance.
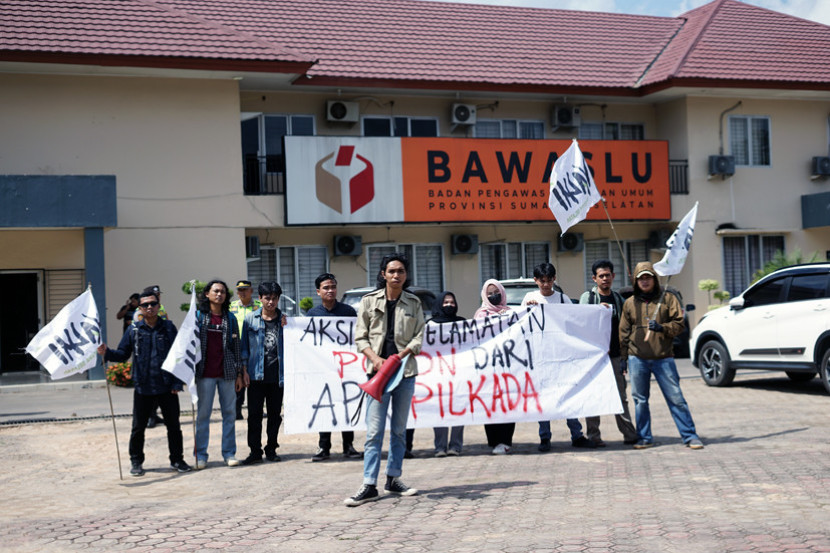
(148, 341)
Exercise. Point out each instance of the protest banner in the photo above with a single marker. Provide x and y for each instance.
(68, 344)
(186, 350)
(543, 362)
(572, 188)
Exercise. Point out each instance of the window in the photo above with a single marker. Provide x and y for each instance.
(766, 294)
(294, 268)
(512, 260)
(509, 128)
(263, 163)
(749, 140)
(743, 255)
(807, 287)
(612, 131)
(634, 250)
(399, 126)
(426, 263)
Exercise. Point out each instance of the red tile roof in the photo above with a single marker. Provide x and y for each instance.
(415, 43)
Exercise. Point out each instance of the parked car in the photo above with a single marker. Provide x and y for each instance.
(680, 344)
(352, 297)
(782, 322)
(516, 288)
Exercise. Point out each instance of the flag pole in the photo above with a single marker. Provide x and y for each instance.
(193, 417)
(115, 432)
(659, 303)
(619, 244)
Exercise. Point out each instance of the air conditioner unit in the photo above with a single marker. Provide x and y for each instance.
(821, 166)
(571, 242)
(347, 245)
(338, 111)
(464, 244)
(463, 114)
(722, 165)
(565, 117)
(252, 247)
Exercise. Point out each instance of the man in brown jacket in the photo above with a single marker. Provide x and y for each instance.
(649, 322)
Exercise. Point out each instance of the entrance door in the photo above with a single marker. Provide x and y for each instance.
(19, 320)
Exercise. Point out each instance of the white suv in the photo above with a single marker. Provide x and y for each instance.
(782, 322)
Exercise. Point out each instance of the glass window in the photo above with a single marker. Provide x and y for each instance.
(769, 292)
(512, 260)
(509, 128)
(294, 268)
(744, 255)
(487, 129)
(426, 263)
(612, 131)
(377, 126)
(263, 160)
(749, 139)
(634, 250)
(807, 287)
(399, 126)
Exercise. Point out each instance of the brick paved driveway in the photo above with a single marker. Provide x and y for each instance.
(761, 484)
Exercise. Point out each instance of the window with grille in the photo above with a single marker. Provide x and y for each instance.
(399, 126)
(512, 259)
(612, 131)
(263, 163)
(509, 128)
(426, 263)
(749, 139)
(743, 255)
(294, 268)
(635, 251)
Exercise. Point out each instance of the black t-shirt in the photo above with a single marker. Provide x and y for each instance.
(614, 348)
(271, 344)
(389, 346)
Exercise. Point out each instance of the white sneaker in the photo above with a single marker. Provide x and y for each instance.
(502, 449)
(201, 464)
(231, 462)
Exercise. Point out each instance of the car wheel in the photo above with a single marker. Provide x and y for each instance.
(824, 370)
(714, 364)
(800, 376)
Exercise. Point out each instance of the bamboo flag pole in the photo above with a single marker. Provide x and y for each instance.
(619, 244)
(115, 432)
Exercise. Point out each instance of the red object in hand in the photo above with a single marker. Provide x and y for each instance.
(375, 386)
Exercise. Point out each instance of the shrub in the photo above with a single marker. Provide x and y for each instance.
(120, 374)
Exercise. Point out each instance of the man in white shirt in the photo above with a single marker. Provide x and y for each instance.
(544, 275)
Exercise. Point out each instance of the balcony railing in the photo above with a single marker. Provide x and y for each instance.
(679, 176)
(263, 175)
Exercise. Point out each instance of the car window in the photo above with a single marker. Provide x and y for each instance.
(767, 293)
(515, 294)
(807, 287)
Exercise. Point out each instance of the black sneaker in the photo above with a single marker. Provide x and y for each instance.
(152, 422)
(321, 455)
(351, 453)
(365, 494)
(544, 446)
(396, 486)
(273, 457)
(582, 441)
(137, 469)
(181, 466)
(252, 459)
(239, 416)
(408, 454)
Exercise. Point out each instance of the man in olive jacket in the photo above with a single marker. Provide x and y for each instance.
(649, 322)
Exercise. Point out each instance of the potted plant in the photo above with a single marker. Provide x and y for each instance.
(120, 374)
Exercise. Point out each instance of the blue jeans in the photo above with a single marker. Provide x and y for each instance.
(573, 425)
(401, 398)
(665, 372)
(206, 387)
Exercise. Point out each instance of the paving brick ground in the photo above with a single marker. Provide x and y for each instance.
(761, 485)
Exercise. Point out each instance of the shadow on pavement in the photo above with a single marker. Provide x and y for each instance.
(474, 491)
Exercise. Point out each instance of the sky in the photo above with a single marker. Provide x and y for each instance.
(816, 10)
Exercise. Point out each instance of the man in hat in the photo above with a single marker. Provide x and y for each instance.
(650, 321)
(239, 308)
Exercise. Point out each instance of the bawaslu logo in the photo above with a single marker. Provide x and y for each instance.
(329, 186)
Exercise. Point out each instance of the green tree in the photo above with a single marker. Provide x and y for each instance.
(779, 261)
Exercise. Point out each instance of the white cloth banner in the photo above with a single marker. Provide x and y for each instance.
(544, 362)
(68, 344)
(186, 350)
(572, 188)
(678, 243)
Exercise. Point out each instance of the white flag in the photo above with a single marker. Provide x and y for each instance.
(572, 188)
(678, 244)
(186, 351)
(68, 344)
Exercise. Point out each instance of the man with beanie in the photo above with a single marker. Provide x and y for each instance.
(650, 320)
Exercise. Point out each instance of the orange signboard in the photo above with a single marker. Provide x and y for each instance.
(451, 179)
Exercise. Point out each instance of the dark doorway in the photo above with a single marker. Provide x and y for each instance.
(19, 321)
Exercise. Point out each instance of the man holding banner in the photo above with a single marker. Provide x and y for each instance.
(150, 339)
